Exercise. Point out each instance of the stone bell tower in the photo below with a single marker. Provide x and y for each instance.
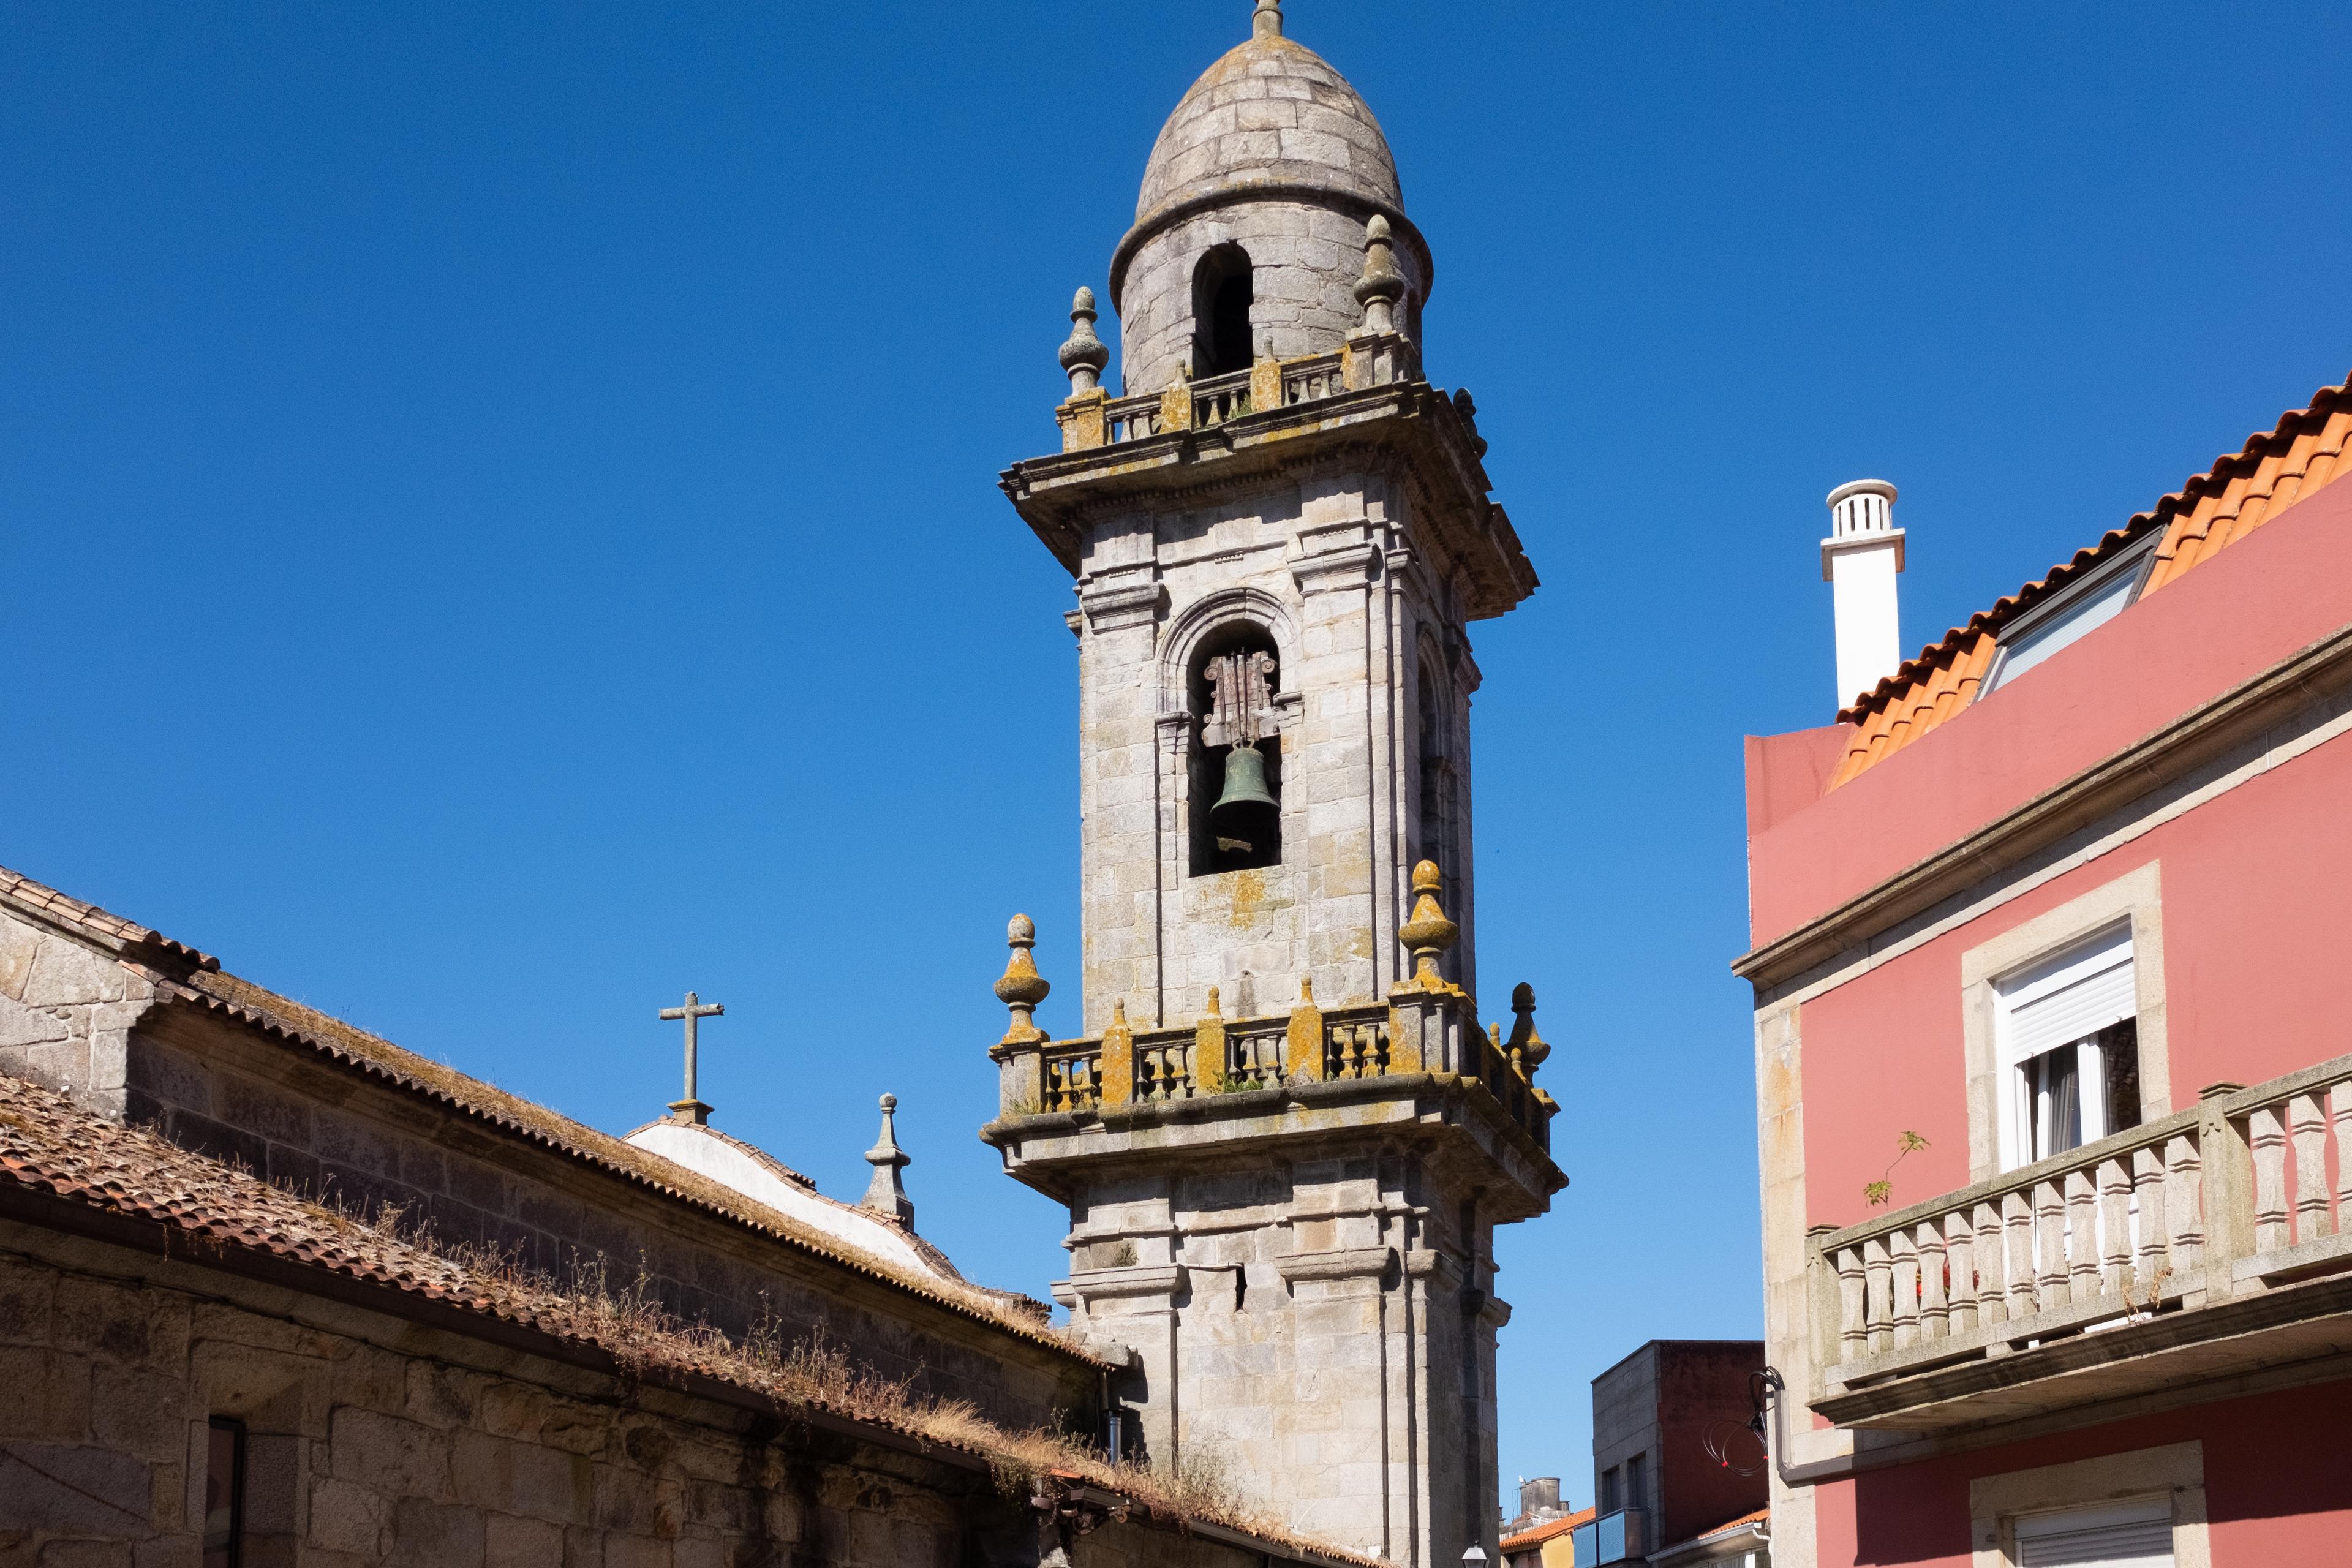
(1286, 1139)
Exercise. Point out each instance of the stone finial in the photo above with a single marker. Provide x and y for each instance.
(1023, 987)
(1381, 285)
(886, 1194)
(1216, 1005)
(1467, 407)
(1428, 933)
(1525, 1043)
(1084, 355)
(1267, 22)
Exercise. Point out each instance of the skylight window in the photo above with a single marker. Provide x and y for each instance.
(2070, 615)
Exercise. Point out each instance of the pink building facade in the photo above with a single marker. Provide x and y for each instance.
(2049, 938)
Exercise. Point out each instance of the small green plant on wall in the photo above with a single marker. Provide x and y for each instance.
(1882, 1192)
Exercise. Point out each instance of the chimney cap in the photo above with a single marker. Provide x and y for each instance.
(1863, 487)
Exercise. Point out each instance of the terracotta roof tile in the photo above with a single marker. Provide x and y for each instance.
(49, 1145)
(2243, 489)
(254, 1006)
(1550, 1531)
(1759, 1516)
(112, 933)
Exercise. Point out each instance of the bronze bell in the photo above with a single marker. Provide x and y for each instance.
(1246, 810)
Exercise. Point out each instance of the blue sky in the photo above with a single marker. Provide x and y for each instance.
(497, 506)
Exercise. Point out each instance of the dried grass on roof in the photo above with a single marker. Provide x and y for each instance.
(49, 1144)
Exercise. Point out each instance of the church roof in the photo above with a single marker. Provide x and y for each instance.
(241, 1001)
(1270, 113)
(2271, 471)
(59, 1162)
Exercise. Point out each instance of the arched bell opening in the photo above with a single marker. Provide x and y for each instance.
(1235, 791)
(1224, 286)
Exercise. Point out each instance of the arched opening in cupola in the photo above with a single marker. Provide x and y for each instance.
(1223, 289)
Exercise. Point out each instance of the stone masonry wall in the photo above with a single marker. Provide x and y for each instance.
(371, 1440)
(1303, 1331)
(79, 1023)
(1326, 563)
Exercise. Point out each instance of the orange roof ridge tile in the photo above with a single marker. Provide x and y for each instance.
(2303, 451)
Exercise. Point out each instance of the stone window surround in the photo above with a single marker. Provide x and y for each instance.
(2135, 896)
(1996, 1502)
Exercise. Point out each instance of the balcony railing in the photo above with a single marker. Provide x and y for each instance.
(2230, 1199)
(1217, 1056)
(1094, 418)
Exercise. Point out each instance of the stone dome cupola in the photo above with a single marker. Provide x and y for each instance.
(1249, 233)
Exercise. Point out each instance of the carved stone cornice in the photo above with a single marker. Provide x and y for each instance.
(1408, 430)
(1343, 1263)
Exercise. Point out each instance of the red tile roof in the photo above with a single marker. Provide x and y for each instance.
(1550, 1531)
(51, 1148)
(2243, 489)
(1759, 1516)
(195, 979)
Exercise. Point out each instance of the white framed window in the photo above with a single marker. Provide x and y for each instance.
(2137, 1534)
(2066, 1028)
(2070, 615)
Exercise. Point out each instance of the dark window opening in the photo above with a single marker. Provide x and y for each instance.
(1223, 289)
(1234, 793)
(1609, 1497)
(224, 1493)
(2119, 1054)
(1436, 823)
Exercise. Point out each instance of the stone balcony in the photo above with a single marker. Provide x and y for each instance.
(1417, 1069)
(2206, 1247)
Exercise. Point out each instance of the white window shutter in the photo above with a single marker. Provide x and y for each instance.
(2126, 1535)
(2069, 997)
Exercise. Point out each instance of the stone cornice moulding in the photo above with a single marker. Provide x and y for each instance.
(1342, 1263)
(1113, 1284)
(2165, 756)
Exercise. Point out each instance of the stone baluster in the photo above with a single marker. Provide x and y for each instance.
(2266, 1141)
(2148, 1265)
(2340, 1103)
(1935, 1297)
(1117, 1086)
(2016, 1220)
(1854, 1306)
(2308, 1128)
(2050, 1247)
(1960, 1263)
(2114, 1179)
(1209, 1047)
(2184, 1205)
(1992, 1278)
(1906, 1289)
(1878, 1308)
(2082, 1235)
(1303, 1056)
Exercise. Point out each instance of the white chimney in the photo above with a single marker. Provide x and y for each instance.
(1859, 561)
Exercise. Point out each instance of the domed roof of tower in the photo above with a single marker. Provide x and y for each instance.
(1271, 114)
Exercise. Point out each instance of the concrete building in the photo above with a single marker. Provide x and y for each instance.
(1670, 1441)
(2055, 1116)
(1287, 1137)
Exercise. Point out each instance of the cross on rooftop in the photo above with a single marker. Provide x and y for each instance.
(692, 1110)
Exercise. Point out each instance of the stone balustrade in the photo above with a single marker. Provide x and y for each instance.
(1092, 417)
(2230, 1198)
(1427, 1030)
